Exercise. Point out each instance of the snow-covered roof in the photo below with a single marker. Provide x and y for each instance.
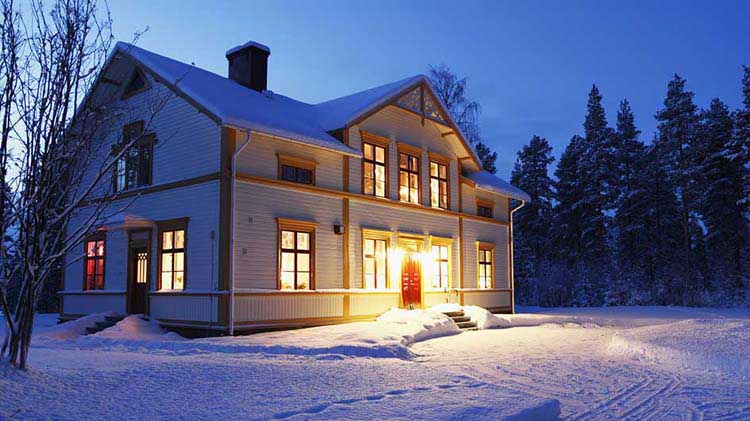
(487, 181)
(239, 106)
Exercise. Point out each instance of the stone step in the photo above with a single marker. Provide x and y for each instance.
(466, 325)
(454, 313)
(459, 319)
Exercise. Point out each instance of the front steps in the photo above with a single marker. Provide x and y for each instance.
(463, 321)
(108, 322)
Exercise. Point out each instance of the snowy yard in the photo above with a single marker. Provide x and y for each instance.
(633, 363)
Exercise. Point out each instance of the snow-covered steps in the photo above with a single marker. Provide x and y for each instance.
(108, 322)
(463, 321)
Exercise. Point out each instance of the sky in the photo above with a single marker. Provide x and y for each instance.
(529, 64)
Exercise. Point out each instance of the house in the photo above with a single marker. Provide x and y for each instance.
(242, 209)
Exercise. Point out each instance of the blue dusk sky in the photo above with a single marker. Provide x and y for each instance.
(529, 64)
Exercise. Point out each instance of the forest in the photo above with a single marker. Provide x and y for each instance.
(623, 220)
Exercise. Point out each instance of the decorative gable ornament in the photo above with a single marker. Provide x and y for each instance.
(421, 101)
(136, 84)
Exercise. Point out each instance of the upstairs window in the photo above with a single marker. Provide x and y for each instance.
(172, 248)
(296, 170)
(136, 84)
(438, 185)
(408, 176)
(373, 169)
(134, 167)
(94, 262)
(485, 208)
(486, 271)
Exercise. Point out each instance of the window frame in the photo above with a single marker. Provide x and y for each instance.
(296, 226)
(95, 237)
(377, 235)
(483, 247)
(132, 160)
(486, 204)
(297, 163)
(129, 94)
(410, 152)
(167, 226)
(448, 244)
(381, 142)
(444, 161)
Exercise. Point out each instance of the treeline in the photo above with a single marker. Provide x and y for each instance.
(625, 222)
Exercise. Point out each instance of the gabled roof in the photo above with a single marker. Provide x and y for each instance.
(487, 181)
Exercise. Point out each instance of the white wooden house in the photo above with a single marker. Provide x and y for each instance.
(243, 209)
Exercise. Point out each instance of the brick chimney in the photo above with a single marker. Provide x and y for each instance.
(248, 65)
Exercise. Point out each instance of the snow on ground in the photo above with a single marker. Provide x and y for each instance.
(632, 363)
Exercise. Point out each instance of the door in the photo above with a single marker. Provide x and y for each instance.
(410, 280)
(139, 277)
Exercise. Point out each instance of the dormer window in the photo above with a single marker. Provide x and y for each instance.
(134, 167)
(136, 84)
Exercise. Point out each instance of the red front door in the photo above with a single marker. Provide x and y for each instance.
(410, 280)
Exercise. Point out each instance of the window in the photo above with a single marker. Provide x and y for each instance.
(438, 185)
(133, 168)
(94, 262)
(376, 263)
(408, 176)
(485, 265)
(172, 257)
(373, 169)
(485, 208)
(136, 84)
(296, 170)
(296, 255)
(440, 269)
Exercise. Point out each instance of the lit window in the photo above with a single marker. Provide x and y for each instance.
(296, 259)
(376, 263)
(94, 263)
(485, 267)
(134, 167)
(438, 185)
(440, 267)
(373, 168)
(408, 176)
(173, 260)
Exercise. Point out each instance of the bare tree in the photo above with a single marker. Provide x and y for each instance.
(57, 168)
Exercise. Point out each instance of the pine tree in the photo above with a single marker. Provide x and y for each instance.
(720, 185)
(533, 222)
(741, 156)
(676, 139)
(486, 157)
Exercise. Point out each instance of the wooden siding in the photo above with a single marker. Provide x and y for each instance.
(287, 307)
(370, 304)
(435, 298)
(487, 299)
(93, 303)
(260, 158)
(469, 202)
(489, 233)
(256, 249)
(184, 307)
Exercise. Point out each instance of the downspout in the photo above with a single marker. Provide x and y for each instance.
(512, 264)
(231, 232)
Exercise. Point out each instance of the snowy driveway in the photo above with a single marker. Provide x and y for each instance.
(598, 364)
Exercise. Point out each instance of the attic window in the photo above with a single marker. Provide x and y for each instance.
(136, 84)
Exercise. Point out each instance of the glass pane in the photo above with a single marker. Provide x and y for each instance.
(369, 186)
(287, 280)
(444, 269)
(91, 248)
(287, 239)
(379, 154)
(179, 280)
(444, 201)
(369, 281)
(379, 173)
(166, 280)
(167, 240)
(413, 180)
(369, 247)
(414, 195)
(368, 151)
(90, 266)
(369, 266)
(443, 171)
(380, 189)
(99, 281)
(369, 168)
(304, 176)
(100, 248)
(303, 262)
(436, 280)
(444, 252)
(380, 248)
(434, 193)
(403, 178)
(100, 267)
(166, 262)
(488, 256)
(303, 241)
(403, 193)
(179, 239)
(402, 161)
(380, 281)
(482, 272)
(433, 169)
(413, 163)
(303, 280)
(287, 262)
(287, 173)
(179, 261)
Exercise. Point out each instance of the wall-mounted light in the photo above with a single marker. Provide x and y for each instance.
(339, 229)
